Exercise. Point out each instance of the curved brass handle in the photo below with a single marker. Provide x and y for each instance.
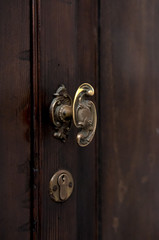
(84, 114)
(82, 111)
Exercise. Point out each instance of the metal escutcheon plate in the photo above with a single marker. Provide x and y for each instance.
(61, 186)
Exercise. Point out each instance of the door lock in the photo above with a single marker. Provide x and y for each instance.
(61, 186)
(82, 111)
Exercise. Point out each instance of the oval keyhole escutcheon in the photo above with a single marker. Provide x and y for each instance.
(61, 186)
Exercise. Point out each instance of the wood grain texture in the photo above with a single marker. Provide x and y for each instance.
(129, 119)
(15, 120)
(68, 55)
(35, 130)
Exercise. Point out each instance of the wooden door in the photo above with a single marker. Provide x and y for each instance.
(113, 45)
(129, 120)
(65, 46)
(15, 126)
(44, 44)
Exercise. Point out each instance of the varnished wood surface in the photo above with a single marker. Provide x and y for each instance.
(14, 120)
(64, 43)
(35, 131)
(129, 120)
(68, 55)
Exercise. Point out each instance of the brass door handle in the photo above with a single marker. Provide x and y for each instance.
(82, 111)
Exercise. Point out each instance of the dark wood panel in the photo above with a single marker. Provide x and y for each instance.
(35, 147)
(129, 119)
(68, 55)
(15, 119)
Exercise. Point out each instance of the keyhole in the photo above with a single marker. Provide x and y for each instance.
(63, 184)
(63, 178)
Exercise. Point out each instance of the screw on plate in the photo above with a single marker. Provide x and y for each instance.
(54, 188)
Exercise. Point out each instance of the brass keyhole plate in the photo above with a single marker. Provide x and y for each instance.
(61, 186)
